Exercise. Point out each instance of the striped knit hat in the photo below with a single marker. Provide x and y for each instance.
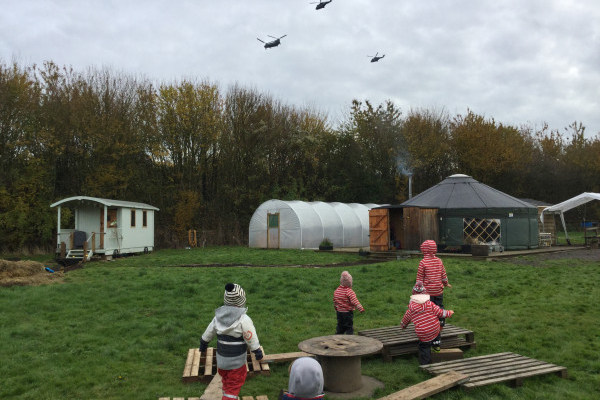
(234, 295)
(346, 279)
(419, 289)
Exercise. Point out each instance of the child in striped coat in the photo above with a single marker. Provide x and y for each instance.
(431, 275)
(424, 314)
(345, 302)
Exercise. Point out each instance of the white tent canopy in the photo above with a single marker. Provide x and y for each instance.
(566, 205)
(299, 224)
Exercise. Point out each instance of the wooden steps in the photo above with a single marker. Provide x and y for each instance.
(203, 366)
(429, 387)
(495, 368)
(397, 342)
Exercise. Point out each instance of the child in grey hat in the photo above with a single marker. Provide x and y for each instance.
(306, 380)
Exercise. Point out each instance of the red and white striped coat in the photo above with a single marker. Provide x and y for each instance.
(344, 300)
(431, 272)
(425, 316)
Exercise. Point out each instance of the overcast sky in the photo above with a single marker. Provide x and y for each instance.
(517, 61)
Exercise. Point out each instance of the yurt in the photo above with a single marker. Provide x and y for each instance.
(303, 225)
(457, 212)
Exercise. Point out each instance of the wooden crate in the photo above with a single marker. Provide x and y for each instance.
(397, 341)
(495, 368)
(203, 366)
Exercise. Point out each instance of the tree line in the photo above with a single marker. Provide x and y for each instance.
(208, 158)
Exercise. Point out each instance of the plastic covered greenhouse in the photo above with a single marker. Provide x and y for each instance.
(304, 225)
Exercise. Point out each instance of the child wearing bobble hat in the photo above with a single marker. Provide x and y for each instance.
(235, 333)
(424, 314)
(345, 302)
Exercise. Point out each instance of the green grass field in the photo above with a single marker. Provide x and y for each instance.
(122, 329)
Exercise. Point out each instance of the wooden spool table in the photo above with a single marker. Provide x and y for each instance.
(340, 357)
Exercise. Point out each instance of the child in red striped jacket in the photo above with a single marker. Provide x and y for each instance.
(431, 275)
(424, 314)
(345, 302)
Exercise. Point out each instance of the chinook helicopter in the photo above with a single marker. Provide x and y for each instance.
(321, 4)
(272, 43)
(375, 58)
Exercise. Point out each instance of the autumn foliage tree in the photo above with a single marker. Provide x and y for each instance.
(207, 157)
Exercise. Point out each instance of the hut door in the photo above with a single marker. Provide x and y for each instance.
(273, 231)
(102, 228)
(379, 229)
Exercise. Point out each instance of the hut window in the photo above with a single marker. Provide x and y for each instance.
(481, 231)
(144, 218)
(111, 217)
(133, 218)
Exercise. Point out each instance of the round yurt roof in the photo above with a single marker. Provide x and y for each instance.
(462, 191)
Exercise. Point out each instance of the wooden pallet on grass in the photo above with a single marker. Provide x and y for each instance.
(429, 387)
(397, 341)
(495, 368)
(198, 398)
(203, 366)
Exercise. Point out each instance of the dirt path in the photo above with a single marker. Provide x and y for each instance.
(539, 259)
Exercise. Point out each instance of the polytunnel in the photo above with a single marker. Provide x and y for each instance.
(298, 224)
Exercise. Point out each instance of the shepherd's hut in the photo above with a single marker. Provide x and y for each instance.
(104, 227)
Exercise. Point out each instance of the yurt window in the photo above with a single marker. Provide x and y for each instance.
(480, 230)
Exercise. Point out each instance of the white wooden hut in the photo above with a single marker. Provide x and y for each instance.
(104, 227)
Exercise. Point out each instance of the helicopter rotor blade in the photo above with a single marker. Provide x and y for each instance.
(260, 40)
(282, 36)
(272, 36)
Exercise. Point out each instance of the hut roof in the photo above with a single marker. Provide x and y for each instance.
(462, 191)
(78, 200)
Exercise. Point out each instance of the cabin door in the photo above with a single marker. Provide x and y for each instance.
(102, 228)
(379, 229)
(273, 231)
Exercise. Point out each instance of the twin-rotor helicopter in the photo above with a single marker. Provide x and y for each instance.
(272, 43)
(320, 5)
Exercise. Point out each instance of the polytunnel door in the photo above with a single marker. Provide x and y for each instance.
(273, 231)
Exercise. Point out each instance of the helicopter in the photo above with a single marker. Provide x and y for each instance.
(375, 58)
(272, 43)
(321, 4)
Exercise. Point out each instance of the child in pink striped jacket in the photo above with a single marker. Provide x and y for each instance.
(345, 302)
(424, 314)
(431, 276)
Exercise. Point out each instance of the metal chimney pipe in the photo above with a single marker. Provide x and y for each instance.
(410, 186)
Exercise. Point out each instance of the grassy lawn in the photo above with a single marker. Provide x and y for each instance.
(122, 329)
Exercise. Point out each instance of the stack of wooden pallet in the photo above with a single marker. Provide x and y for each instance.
(495, 368)
(397, 341)
(202, 366)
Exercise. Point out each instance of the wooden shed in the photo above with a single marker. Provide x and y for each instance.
(104, 227)
(396, 227)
